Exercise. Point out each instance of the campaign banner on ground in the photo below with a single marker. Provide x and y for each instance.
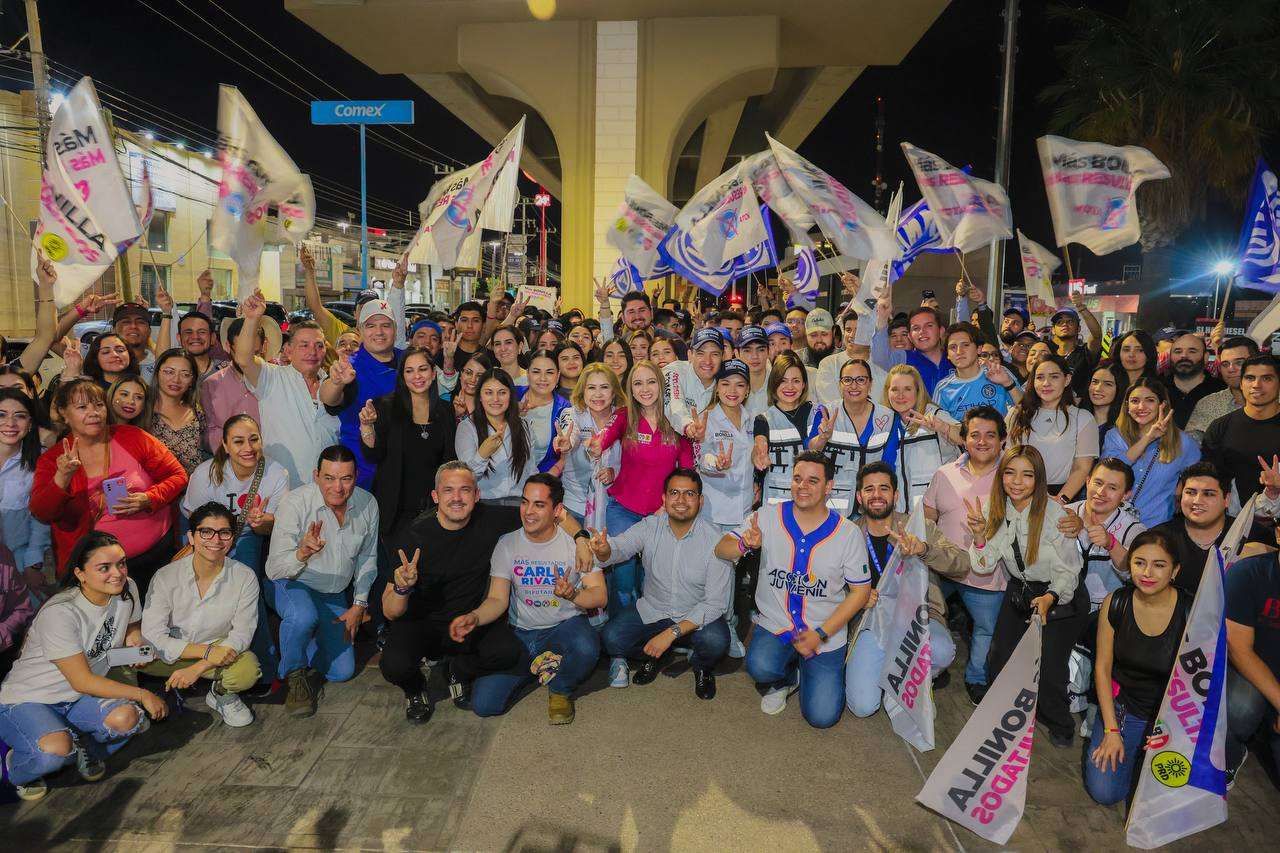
(906, 676)
(1038, 265)
(257, 175)
(981, 781)
(643, 219)
(969, 212)
(850, 223)
(1182, 784)
(1091, 189)
(86, 212)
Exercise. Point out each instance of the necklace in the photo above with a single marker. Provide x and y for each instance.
(425, 431)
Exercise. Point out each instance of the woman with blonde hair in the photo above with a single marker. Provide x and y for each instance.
(1018, 529)
(597, 400)
(917, 440)
(791, 425)
(640, 341)
(1146, 436)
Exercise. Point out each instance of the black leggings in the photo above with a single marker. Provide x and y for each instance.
(488, 649)
(1060, 637)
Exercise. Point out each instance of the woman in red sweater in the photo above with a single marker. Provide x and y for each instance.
(651, 449)
(92, 461)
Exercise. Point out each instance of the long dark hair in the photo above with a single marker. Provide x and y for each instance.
(515, 424)
(90, 542)
(401, 397)
(1148, 344)
(94, 369)
(1023, 413)
(30, 447)
(189, 398)
(41, 411)
(1121, 377)
(218, 465)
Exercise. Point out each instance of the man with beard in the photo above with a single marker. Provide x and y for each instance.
(819, 333)
(884, 532)
(926, 326)
(637, 312)
(1190, 385)
(1013, 323)
(1231, 358)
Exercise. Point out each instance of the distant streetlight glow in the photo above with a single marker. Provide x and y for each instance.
(55, 101)
(149, 135)
(1224, 268)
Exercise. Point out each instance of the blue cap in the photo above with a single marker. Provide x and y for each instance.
(752, 335)
(707, 336)
(553, 326)
(778, 329)
(1069, 313)
(426, 324)
(734, 367)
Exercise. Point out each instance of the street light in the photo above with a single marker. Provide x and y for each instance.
(1224, 268)
(1221, 269)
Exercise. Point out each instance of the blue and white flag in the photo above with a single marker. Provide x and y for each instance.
(680, 254)
(624, 278)
(1259, 252)
(804, 277)
(643, 219)
(917, 233)
(969, 212)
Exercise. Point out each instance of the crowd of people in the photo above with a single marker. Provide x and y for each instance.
(519, 497)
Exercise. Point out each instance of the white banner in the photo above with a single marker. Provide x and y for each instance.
(875, 280)
(643, 219)
(1091, 188)
(730, 229)
(981, 781)
(846, 220)
(968, 211)
(1038, 265)
(86, 208)
(906, 676)
(1182, 785)
(257, 175)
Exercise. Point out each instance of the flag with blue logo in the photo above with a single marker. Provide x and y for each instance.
(917, 233)
(969, 212)
(624, 278)
(681, 253)
(1259, 252)
(804, 277)
(642, 221)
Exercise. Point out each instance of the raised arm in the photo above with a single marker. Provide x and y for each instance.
(253, 308)
(311, 292)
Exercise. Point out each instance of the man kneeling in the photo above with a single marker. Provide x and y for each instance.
(532, 575)
(685, 591)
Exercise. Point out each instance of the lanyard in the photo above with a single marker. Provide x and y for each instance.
(871, 551)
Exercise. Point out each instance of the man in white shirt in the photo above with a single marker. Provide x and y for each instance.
(814, 578)
(688, 385)
(532, 577)
(325, 541)
(295, 424)
(1104, 526)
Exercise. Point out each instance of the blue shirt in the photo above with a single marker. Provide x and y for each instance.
(373, 379)
(955, 396)
(887, 357)
(1154, 482)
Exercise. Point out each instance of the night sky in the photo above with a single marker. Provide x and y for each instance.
(943, 98)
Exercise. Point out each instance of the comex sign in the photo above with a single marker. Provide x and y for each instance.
(362, 112)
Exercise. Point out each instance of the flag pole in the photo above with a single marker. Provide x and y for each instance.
(1222, 317)
(964, 272)
(1066, 256)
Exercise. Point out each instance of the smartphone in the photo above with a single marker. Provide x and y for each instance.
(927, 294)
(114, 490)
(130, 655)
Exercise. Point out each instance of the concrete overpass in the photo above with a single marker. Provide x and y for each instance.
(672, 90)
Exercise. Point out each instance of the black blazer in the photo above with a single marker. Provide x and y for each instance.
(391, 479)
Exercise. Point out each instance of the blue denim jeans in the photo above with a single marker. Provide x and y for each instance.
(626, 634)
(774, 663)
(626, 578)
(574, 639)
(248, 550)
(1247, 712)
(22, 726)
(309, 632)
(862, 691)
(1108, 787)
(983, 605)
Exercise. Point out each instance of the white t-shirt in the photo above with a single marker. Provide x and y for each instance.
(68, 624)
(295, 425)
(803, 576)
(232, 492)
(1062, 437)
(532, 569)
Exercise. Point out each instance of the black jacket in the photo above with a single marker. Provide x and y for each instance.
(391, 479)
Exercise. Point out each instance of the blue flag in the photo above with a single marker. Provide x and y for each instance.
(1259, 251)
(625, 277)
(679, 253)
(917, 233)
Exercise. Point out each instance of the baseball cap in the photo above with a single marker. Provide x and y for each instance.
(752, 335)
(130, 309)
(553, 326)
(733, 367)
(1069, 313)
(425, 324)
(1031, 336)
(372, 308)
(707, 336)
(1021, 312)
(1168, 333)
(819, 319)
(777, 329)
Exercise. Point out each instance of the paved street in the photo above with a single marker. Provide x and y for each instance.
(646, 768)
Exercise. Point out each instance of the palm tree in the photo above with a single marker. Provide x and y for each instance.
(1196, 82)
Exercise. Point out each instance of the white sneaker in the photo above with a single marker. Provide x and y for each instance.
(33, 790)
(230, 707)
(775, 701)
(90, 769)
(736, 649)
(618, 673)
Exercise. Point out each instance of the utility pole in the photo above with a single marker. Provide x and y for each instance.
(39, 72)
(995, 266)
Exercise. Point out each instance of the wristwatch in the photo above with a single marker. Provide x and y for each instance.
(675, 631)
(821, 633)
(582, 534)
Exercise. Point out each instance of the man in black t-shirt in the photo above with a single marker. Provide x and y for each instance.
(444, 572)
(1200, 523)
(1253, 646)
(1234, 442)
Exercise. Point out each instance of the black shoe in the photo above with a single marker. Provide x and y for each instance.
(262, 690)
(976, 692)
(941, 680)
(418, 707)
(1231, 772)
(1062, 740)
(463, 700)
(647, 672)
(704, 684)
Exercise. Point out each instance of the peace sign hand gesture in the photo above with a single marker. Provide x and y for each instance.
(696, 430)
(907, 543)
(752, 537)
(311, 542)
(724, 459)
(68, 464)
(72, 359)
(760, 453)
(599, 543)
(602, 291)
(826, 426)
(1160, 425)
(976, 521)
(407, 574)
(1269, 478)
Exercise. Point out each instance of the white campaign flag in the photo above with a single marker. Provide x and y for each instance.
(968, 211)
(732, 227)
(876, 279)
(1091, 188)
(460, 204)
(1182, 784)
(846, 220)
(257, 175)
(643, 219)
(86, 209)
(981, 781)
(1038, 264)
(906, 677)
(1266, 323)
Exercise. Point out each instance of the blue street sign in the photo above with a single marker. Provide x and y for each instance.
(362, 112)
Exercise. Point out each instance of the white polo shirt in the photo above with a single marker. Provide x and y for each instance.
(803, 576)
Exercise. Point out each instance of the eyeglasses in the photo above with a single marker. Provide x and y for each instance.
(855, 380)
(223, 534)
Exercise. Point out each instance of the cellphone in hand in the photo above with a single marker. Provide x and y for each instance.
(114, 489)
(130, 655)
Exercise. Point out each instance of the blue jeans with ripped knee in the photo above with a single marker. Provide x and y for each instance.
(23, 725)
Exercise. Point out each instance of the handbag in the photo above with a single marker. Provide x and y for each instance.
(249, 497)
(1025, 591)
